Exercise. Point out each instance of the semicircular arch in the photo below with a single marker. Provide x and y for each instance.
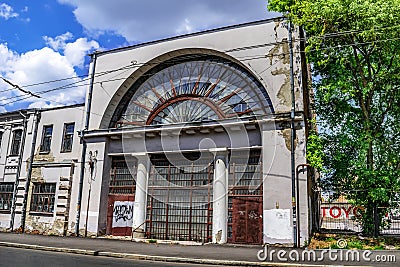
(223, 83)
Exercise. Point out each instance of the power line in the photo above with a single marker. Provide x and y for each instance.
(19, 88)
(328, 35)
(136, 65)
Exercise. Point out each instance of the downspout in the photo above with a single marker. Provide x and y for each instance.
(292, 138)
(84, 145)
(21, 152)
(29, 174)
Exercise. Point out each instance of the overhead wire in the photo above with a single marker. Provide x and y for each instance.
(328, 35)
(136, 65)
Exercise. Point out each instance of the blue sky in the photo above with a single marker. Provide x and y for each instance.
(43, 41)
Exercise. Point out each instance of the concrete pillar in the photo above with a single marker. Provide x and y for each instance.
(139, 208)
(220, 197)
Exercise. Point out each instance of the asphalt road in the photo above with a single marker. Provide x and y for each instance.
(15, 257)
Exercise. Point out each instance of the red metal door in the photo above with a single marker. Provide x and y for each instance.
(246, 220)
(119, 215)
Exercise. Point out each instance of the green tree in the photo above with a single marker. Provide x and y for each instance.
(353, 47)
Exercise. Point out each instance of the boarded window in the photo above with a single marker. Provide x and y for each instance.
(16, 143)
(68, 137)
(43, 197)
(6, 192)
(46, 138)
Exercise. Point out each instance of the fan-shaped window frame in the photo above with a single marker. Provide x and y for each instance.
(262, 96)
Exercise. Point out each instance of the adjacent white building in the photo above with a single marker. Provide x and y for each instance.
(186, 138)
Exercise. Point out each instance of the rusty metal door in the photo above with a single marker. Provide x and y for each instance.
(247, 220)
(119, 215)
(121, 196)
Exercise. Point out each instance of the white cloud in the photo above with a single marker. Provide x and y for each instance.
(7, 11)
(58, 42)
(43, 65)
(75, 52)
(138, 20)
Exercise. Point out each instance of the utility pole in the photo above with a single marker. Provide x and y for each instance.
(84, 145)
(92, 171)
(292, 138)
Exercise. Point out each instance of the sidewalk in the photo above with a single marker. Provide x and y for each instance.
(206, 254)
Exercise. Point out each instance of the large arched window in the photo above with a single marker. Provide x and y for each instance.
(192, 89)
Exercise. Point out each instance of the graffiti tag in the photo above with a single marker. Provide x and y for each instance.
(122, 214)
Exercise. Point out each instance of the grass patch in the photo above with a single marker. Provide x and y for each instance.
(326, 241)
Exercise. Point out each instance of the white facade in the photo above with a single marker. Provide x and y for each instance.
(52, 166)
(220, 102)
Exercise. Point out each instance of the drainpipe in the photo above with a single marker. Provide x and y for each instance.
(29, 174)
(21, 152)
(292, 138)
(84, 145)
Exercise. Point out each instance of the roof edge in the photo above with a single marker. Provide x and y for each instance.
(224, 28)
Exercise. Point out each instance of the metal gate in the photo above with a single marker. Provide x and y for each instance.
(180, 199)
(245, 198)
(121, 196)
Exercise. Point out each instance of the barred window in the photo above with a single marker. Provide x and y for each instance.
(6, 192)
(43, 197)
(46, 138)
(16, 143)
(68, 137)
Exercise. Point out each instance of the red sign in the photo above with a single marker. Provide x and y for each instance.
(337, 212)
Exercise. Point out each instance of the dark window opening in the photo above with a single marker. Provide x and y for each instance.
(123, 171)
(46, 138)
(6, 192)
(16, 143)
(43, 197)
(68, 137)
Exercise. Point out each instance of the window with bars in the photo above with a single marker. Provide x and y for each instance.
(43, 197)
(46, 138)
(179, 206)
(6, 192)
(16, 142)
(68, 137)
(122, 176)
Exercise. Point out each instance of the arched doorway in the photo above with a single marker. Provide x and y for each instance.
(198, 95)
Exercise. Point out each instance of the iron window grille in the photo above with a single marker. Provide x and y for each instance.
(6, 192)
(179, 206)
(43, 197)
(68, 137)
(46, 139)
(16, 143)
(123, 171)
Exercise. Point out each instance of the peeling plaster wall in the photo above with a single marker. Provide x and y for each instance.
(277, 176)
(50, 224)
(259, 47)
(55, 167)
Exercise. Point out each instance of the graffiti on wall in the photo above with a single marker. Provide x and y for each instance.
(122, 214)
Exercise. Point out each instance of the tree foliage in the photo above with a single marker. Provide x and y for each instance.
(353, 47)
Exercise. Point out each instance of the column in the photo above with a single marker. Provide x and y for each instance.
(220, 196)
(139, 208)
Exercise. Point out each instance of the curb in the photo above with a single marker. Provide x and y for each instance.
(155, 258)
(55, 249)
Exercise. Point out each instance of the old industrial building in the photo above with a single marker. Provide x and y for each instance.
(191, 138)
